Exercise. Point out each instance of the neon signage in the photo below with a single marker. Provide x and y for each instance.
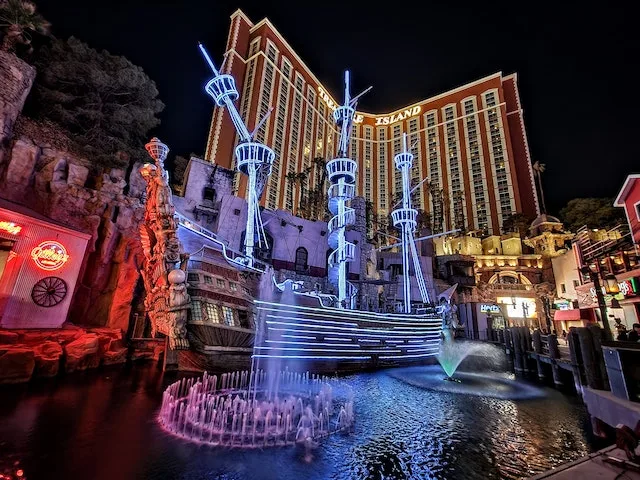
(396, 117)
(489, 308)
(10, 227)
(357, 118)
(626, 287)
(50, 255)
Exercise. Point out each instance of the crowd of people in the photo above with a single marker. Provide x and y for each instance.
(632, 335)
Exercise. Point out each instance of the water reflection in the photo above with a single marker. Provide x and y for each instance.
(101, 426)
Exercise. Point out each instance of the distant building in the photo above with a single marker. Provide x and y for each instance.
(470, 141)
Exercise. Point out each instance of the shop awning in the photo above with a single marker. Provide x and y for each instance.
(567, 315)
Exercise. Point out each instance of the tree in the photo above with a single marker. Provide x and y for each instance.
(106, 103)
(179, 168)
(592, 212)
(18, 20)
(517, 222)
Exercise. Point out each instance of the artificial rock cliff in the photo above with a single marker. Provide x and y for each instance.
(37, 171)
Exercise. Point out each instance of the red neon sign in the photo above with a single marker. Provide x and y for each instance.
(10, 227)
(50, 255)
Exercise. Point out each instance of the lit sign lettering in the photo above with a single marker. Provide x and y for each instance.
(487, 308)
(10, 227)
(626, 287)
(396, 117)
(50, 255)
(357, 118)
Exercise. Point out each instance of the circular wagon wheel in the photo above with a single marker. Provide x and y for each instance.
(49, 291)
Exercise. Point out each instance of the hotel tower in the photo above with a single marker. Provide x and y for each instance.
(470, 142)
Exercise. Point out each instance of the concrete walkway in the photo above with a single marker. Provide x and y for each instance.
(593, 467)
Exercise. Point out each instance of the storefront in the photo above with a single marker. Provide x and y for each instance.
(39, 265)
(564, 319)
(520, 311)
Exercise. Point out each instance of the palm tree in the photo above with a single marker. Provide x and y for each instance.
(539, 168)
(18, 20)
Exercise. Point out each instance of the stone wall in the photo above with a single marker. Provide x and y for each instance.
(38, 173)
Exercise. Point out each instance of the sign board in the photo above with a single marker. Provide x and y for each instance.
(50, 255)
(489, 308)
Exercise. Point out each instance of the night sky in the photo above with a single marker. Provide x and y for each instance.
(576, 66)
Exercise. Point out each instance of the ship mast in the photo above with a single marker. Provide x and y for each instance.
(254, 159)
(404, 218)
(342, 175)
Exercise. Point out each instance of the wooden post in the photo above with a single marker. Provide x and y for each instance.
(517, 349)
(576, 358)
(596, 336)
(170, 357)
(555, 371)
(525, 347)
(539, 365)
(591, 368)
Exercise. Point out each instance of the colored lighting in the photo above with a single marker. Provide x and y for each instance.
(50, 255)
(330, 350)
(311, 343)
(315, 357)
(381, 335)
(348, 329)
(10, 227)
(409, 356)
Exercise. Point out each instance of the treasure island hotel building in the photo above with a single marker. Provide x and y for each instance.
(470, 141)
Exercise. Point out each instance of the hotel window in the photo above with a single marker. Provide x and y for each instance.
(497, 154)
(302, 257)
(266, 89)
(248, 83)
(368, 135)
(397, 175)
(220, 283)
(208, 280)
(413, 142)
(476, 165)
(233, 286)
(294, 138)
(433, 159)
(453, 166)
(229, 317)
(212, 312)
(278, 137)
(196, 311)
(354, 142)
(382, 166)
(307, 149)
(638, 211)
(193, 277)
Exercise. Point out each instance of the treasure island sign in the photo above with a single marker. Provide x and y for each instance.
(50, 255)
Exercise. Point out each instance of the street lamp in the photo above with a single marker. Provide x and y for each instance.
(611, 284)
(595, 278)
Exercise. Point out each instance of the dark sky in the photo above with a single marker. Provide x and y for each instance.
(576, 65)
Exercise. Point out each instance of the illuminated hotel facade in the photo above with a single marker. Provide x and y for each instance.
(470, 141)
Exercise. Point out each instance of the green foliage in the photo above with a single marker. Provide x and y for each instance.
(106, 103)
(18, 20)
(592, 212)
(179, 168)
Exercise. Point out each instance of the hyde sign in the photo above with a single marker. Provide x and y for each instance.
(50, 255)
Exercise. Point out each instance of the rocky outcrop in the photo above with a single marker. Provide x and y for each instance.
(26, 354)
(48, 356)
(16, 363)
(16, 78)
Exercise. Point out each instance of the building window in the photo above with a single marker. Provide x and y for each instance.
(563, 288)
(212, 312)
(209, 194)
(208, 280)
(576, 283)
(228, 316)
(193, 277)
(301, 259)
(638, 211)
(233, 286)
(220, 283)
(196, 311)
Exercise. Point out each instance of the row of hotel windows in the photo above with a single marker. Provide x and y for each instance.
(316, 113)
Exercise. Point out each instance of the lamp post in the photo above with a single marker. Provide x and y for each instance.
(611, 282)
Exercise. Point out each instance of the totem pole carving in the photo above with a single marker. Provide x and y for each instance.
(164, 273)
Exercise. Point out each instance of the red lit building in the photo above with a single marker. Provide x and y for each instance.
(40, 261)
(470, 141)
(629, 199)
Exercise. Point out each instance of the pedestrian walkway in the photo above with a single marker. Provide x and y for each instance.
(609, 463)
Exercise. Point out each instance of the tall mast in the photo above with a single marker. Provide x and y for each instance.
(404, 218)
(342, 175)
(253, 158)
